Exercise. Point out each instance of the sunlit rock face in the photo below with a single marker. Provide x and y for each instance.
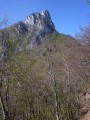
(38, 25)
(40, 20)
(32, 30)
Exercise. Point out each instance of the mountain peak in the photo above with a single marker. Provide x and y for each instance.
(33, 29)
(40, 20)
(46, 13)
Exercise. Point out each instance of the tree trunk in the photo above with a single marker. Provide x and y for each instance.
(2, 106)
(4, 111)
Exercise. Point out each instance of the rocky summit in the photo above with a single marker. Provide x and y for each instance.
(38, 25)
(41, 20)
(32, 30)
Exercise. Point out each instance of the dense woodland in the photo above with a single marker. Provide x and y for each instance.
(44, 83)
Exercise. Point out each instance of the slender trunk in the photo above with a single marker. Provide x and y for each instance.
(56, 107)
(67, 70)
(3, 107)
(7, 97)
(4, 111)
(1, 101)
(55, 97)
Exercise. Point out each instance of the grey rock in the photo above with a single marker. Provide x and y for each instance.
(32, 29)
(40, 20)
(38, 25)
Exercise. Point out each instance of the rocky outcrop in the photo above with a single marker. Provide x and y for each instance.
(84, 104)
(26, 33)
(38, 25)
(40, 20)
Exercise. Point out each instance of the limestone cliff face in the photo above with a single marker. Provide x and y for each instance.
(41, 20)
(38, 25)
(32, 30)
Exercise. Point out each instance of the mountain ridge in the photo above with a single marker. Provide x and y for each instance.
(32, 30)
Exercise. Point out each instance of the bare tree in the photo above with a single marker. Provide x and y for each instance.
(3, 22)
(84, 35)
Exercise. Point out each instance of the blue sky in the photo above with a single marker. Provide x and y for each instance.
(67, 15)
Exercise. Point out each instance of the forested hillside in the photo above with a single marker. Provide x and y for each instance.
(43, 82)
